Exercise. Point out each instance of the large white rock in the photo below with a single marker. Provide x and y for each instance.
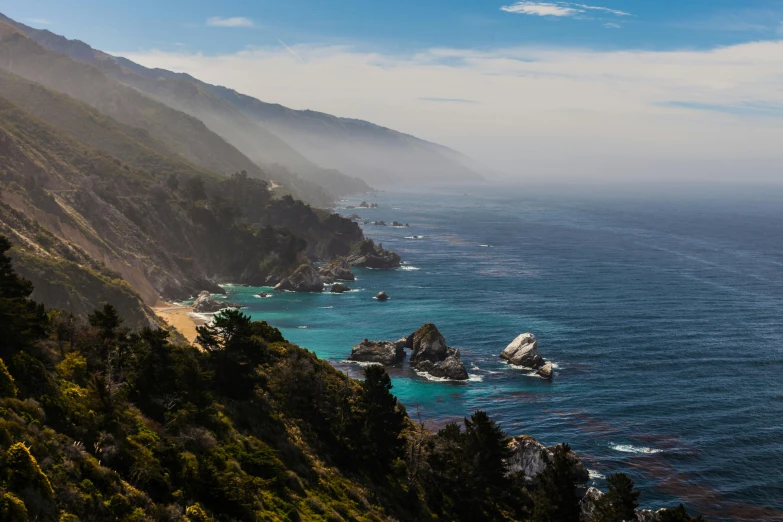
(523, 351)
(528, 457)
(587, 504)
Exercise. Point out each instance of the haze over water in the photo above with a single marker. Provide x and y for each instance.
(661, 312)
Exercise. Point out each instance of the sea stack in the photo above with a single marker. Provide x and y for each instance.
(431, 354)
(380, 352)
(381, 296)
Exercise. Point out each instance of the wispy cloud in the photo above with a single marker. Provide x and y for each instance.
(612, 25)
(237, 21)
(558, 9)
(39, 21)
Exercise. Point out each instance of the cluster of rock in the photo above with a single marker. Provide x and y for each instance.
(386, 353)
(338, 269)
(304, 279)
(429, 353)
(384, 224)
(523, 351)
(339, 288)
(376, 257)
(364, 204)
(206, 304)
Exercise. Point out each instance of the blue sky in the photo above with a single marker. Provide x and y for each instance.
(675, 90)
(406, 24)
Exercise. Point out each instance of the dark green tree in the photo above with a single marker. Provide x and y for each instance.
(556, 498)
(22, 321)
(486, 446)
(620, 501)
(383, 418)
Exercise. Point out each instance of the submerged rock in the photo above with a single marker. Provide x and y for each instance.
(523, 351)
(206, 304)
(381, 352)
(381, 296)
(261, 295)
(304, 279)
(338, 269)
(339, 288)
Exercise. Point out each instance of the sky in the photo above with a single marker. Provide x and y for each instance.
(606, 89)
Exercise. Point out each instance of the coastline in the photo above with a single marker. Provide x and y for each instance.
(181, 318)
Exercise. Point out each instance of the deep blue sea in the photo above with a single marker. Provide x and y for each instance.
(663, 312)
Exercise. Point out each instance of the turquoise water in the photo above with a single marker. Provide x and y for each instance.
(661, 312)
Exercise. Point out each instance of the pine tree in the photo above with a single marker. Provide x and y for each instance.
(384, 421)
(22, 321)
(620, 501)
(556, 499)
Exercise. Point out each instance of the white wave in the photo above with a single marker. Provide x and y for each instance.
(362, 363)
(486, 246)
(408, 267)
(475, 378)
(414, 237)
(595, 475)
(207, 318)
(555, 366)
(303, 327)
(627, 448)
(440, 379)
(326, 307)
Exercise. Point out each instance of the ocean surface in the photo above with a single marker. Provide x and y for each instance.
(663, 313)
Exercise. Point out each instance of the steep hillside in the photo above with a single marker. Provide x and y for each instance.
(257, 143)
(64, 202)
(340, 145)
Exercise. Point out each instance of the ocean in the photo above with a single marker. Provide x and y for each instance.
(662, 311)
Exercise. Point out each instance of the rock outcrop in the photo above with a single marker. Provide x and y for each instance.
(381, 296)
(304, 279)
(587, 505)
(337, 269)
(529, 458)
(431, 354)
(546, 371)
(370, 255)
(339, 288)
(523, 351)
(206, 304)
(381, 352)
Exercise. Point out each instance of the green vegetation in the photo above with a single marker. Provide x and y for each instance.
(100, 422)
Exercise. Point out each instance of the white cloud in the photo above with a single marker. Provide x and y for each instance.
(541, 9)
(39, 21)
(557, 9)
(539, 112)
(236, 21)
(612, 25)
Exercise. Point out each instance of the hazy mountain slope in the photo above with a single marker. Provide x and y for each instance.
(85, 221)
(258, 144)
(354, 147)
(183, 133)
(130, 144)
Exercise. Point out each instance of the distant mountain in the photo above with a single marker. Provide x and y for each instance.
(174, 130)
(316, 146)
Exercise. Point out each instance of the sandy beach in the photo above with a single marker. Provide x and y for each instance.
(181, 318)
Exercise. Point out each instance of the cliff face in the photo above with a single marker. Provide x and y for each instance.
(91, 228)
